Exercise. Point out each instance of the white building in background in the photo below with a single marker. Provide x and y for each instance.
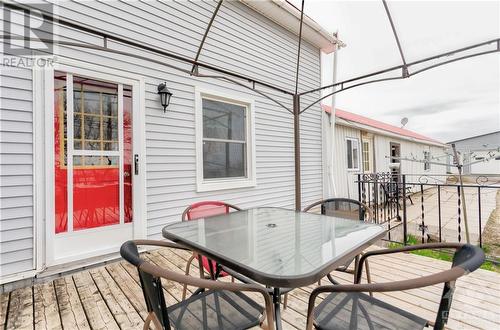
(480, 154)
(365, 145)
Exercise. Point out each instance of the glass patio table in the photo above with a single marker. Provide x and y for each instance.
(276, 247)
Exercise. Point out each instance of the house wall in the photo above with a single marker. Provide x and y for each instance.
(16, 171)
(345, 180)
(240, 40)
(345, 184)
(409, 149)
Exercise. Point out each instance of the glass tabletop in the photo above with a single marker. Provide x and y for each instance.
(274, 246)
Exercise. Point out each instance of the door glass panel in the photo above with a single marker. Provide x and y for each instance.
(95, 194)
(96, 175)
(60, 176)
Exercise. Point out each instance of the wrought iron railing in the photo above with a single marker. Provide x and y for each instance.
(430, 207)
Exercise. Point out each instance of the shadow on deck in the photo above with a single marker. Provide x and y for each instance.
(110, 297)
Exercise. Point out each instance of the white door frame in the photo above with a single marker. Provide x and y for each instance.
(45, 243)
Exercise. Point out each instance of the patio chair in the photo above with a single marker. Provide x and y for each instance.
(393, 193)
(347, 307)
(348, 209)
(222, 306)
(202, 210)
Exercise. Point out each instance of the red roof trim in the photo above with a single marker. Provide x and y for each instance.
(349, 116)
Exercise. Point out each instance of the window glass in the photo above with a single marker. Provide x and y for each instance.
(427, 158)
(223, 159)
(366, 156)
(223, 120)
(352, 154)
(224, 139)
(95, 120)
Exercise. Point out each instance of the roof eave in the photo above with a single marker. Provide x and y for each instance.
(286, 15)
(371, 129)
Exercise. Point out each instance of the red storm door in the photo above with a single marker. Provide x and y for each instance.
(93, 154)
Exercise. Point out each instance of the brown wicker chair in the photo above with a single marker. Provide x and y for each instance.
(223, 306)
(347, 307)
(348, 209)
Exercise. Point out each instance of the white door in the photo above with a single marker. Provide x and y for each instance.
(94, 175)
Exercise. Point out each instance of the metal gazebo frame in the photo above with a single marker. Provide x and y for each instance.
(233, 77)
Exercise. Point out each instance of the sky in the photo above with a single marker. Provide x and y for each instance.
(453, 101)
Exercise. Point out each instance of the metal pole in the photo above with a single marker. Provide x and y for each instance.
(296, 118)
(405, 228)
(464, 207)
(296, 141)
(405, 68)
(331, 152)
(205, 35)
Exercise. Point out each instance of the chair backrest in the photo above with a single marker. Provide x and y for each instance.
(207, 209)
(151, 285)
(344, 208)
(469, 258)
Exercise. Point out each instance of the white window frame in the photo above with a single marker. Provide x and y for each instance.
(203, 184)
(346, 153)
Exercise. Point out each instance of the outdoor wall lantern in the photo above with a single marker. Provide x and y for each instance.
(165, 95)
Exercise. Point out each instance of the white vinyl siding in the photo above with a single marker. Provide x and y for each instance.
(240, 40)
(16, 171)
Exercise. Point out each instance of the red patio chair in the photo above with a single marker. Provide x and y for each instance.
(203, 210)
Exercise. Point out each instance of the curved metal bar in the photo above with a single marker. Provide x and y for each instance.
(56, 19)
(119, 52)
(395, 33)
(205, 35)
(248, 87)
(455, 60)
(399, 67)
(349, 87)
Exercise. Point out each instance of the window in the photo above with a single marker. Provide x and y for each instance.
(352, 154)
(427, 159)
(224, 142)
(95, 120)
(366, 156)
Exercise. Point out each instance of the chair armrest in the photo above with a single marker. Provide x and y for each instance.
(213, 285)
(168, 244)
(441, 277)
(428, 246)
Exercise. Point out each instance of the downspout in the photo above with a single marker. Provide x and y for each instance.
(331, 154)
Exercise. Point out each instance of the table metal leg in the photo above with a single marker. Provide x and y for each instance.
(277, 311)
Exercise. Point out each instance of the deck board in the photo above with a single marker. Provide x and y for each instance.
(4, 305)
(96, 310)
(46, 314)
(20, 312)
(110, 297)
(70, 307)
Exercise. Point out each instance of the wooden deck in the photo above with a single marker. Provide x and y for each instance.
(110, 297)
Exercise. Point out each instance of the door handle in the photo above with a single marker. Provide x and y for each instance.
(136, 164)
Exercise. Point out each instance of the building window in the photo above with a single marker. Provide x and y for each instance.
(224, 142)
(352, 154)
(427, 159)
(366, 156)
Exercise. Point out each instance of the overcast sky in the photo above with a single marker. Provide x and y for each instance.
(447, 103)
